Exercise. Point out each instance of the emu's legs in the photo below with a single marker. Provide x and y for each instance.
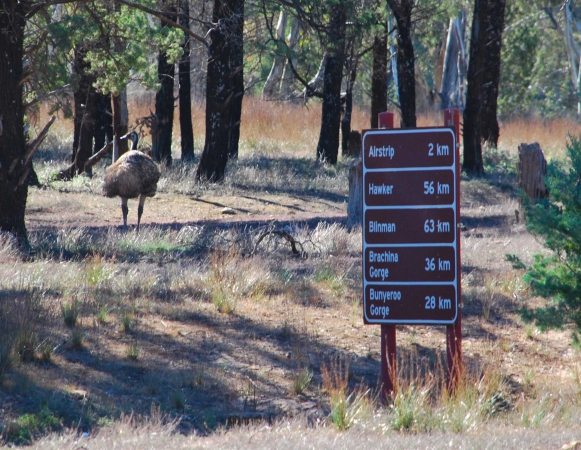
(140, 209)
(125, 211)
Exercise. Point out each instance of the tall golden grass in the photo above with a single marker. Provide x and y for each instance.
(298, 125)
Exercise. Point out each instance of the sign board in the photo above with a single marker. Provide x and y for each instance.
(411, 273)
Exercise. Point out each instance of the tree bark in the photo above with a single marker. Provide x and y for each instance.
(402, 11)
(480, 122)
(328, 146)
(379, 77)
(278, 63)
(286, 83)
(220, 90)
(85, 98)
(164, 107)
(13, 166)
(120, 120)
(346, 120)
(185, 97)
(454, 67)
(103, 122)
(236, 50)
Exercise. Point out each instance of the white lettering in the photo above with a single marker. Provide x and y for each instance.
(381, 152)
(381, 311)
(384, 295)
(383, 257)
(380, 227)
(380, 189)
(377, 273)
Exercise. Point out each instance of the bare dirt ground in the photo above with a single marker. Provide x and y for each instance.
(210, 368)
(48, 208)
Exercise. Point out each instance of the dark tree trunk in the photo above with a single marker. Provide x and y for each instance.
(328, 146)
(379, 77)
(85, 97)
(220, 92)
(185, 91)
(480, 122)
(492, 61)
(164, 108)
(402, 11)
(236, 49)
(346, 120)
(103, 122)
(119, 124)
(13, 167)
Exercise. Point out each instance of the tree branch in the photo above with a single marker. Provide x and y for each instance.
(163, 17)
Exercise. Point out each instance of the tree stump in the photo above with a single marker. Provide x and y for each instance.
(355, 205)
(354, 144)
(532, 170)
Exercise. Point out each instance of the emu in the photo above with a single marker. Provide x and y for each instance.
(133, 175)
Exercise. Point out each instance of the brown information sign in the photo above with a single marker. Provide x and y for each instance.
(410, 214)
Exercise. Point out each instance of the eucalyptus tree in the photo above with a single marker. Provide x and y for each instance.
(402, 11)
(161, 136)
(224, 89)
(379, 73)
(480, 114)
(185, 87)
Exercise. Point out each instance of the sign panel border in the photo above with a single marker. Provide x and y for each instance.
(388, 152)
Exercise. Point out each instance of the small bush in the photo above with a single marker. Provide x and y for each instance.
(302, 381)
(28, 427)
(78, 339)
(133, 351)
(557, 221)
(26, 345)
(70, 312)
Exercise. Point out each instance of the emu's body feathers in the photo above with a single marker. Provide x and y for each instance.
(132, 175)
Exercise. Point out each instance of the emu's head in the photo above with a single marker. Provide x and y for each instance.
(134, 137)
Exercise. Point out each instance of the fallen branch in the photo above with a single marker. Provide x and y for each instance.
(30, 150)
(68, 173)
(289, 237)
(97, 156)
(32, 147)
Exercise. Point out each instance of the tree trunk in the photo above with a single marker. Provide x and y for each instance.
(346, 120)
(492, 61)
(532, 171)
(379, 77)
(480, 122)
(220, 91)
(454, 67)
(278, 64)
(164, 108)
(286, 92)
(236, 50)
(328, 146)
(355, 204)
(120, 120)
(316, 83)
(13, 190)
(85, 97)
(103, 122)
(402, 11)
(186, 130)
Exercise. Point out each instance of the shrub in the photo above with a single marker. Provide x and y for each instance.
(557, 221)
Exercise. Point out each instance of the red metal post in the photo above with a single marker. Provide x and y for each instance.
(385, 119)
(388, 332)
(454, 331)
(388, 359)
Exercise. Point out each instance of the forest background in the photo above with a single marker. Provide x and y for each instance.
(490, 59)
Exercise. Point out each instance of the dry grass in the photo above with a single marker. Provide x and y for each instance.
(237, 343)
(552, 135)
